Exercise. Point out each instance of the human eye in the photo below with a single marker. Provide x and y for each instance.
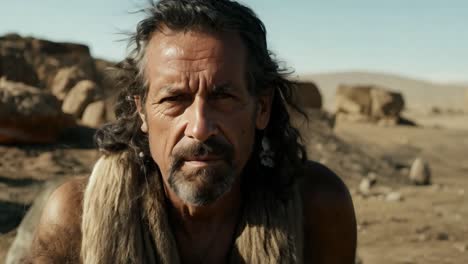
(173, 99)
(221, 95)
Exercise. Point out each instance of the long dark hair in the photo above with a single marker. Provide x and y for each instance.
(264, 75)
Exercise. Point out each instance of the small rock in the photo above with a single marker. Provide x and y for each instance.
(365, 185)
(442, 236)
(372, 176)
(393, 197)
(319, 146)
(358, 260)
(420, 173)
(461, 247)
(437, 187)
(381, 190)
(423, 237)
(404, 171)
(422, 229)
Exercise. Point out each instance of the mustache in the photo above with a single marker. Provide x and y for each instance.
(212, 146)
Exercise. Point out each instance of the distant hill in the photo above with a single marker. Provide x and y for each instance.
(419, 94)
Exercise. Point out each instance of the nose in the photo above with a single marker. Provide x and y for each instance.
(201, 124)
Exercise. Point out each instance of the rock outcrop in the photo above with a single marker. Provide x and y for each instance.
(47, 57)
(79, 97)
(58, 68)
(15, 67)
(29, 115)
(65, 79)
(369, 103)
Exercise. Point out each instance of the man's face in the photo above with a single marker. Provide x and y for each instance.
(199, 114)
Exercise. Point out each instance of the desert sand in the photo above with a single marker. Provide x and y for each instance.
(429, 224)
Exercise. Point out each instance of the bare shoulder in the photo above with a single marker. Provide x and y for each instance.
(58, 235)
(64, 204)
(329, 218)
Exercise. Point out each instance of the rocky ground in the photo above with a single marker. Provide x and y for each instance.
(398, 222)
(24, 169)
(427, 224)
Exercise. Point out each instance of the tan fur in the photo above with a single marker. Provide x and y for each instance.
(110, 208)
(270, 230)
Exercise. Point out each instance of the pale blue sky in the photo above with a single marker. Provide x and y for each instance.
(418, 38)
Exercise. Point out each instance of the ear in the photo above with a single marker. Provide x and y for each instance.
(264, 103)
(139, 106)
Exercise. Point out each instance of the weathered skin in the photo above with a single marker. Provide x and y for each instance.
(192, 64)
(330, 226)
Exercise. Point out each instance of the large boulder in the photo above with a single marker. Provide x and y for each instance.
(29, 115)
(307, 95)
(25, 233)
(386, 103)
(353, 100)
(106, 79)
(65, 80)
(95, 114)
(368, 103)
(47, 57)
(57, 67)
(82, 94)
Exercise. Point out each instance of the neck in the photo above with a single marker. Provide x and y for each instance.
(204, 234)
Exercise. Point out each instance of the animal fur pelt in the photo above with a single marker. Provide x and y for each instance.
(124, 222)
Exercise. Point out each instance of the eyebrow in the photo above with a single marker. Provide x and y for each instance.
(222, 88)
(169, 89)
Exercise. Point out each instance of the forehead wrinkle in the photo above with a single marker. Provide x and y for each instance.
(193, 55)
(195, 65)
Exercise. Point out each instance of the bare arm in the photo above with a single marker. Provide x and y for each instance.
(58, 235)
(330, 223)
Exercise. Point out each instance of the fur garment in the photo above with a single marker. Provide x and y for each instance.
(125, 221)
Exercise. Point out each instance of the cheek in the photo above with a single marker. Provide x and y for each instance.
(240, 130)
(160, 130)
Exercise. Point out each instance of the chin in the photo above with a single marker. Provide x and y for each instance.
(203, 186)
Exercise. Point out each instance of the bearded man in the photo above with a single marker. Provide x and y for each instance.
(202, 164)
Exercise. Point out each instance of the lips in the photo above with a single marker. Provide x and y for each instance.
(202, 161)
(204, 158)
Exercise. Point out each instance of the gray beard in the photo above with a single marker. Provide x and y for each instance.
(202, 186)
